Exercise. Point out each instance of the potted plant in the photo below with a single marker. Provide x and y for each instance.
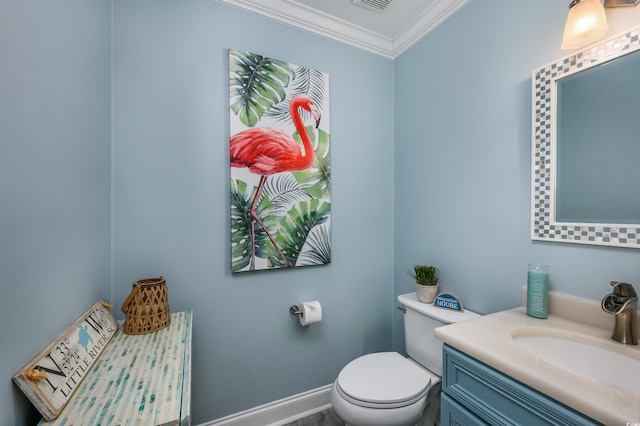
(426, 278)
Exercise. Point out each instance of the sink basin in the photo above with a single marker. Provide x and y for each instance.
(606, 365)
(569, 357)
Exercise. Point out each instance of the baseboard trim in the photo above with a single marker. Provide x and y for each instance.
(280, 412)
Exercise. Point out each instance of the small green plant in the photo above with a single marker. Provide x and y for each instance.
(424, 274)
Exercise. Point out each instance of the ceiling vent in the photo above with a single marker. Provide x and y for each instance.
(376, 5)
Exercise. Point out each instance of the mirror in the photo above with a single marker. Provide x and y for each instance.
(586, 146)
(597, 112)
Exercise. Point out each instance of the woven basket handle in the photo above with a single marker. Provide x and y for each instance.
(127, 301)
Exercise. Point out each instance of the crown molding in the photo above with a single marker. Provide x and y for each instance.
(439, 12)
(303, 17)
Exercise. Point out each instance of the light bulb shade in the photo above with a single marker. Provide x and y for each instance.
(586, 23)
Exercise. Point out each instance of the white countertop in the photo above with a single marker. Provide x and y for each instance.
(489, 340)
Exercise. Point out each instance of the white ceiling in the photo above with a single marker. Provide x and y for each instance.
(387, 33)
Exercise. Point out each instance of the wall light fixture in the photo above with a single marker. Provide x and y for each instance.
(620, 3)
(585, 24)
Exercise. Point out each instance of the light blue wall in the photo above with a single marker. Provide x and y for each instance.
(463, 161)
(171, 201)
(54, 177)
(430, 163)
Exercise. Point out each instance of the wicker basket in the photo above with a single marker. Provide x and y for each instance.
(147, 307)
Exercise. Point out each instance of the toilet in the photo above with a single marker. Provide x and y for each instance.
(387, 389)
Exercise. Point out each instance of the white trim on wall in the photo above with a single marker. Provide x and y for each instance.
(280, 412)
(325, 25)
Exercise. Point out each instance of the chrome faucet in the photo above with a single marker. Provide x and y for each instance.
(623, 303)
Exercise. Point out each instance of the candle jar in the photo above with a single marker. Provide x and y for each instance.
(538, 290)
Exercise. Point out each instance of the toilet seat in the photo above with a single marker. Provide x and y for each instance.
(383, 380)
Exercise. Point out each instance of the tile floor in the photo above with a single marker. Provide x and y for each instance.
(323, 418)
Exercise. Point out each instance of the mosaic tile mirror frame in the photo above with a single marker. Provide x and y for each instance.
(544, 225)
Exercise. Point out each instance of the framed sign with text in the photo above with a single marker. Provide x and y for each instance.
(448, 301)
(50, 379)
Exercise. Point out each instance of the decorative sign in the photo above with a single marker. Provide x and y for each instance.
(51, 378)
(448, 301)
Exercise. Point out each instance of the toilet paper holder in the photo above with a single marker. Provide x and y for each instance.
(307, 313)
(294, 310)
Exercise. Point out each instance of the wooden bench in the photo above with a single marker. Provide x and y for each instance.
(138, 380)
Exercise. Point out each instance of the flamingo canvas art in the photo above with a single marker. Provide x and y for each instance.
(279, 162)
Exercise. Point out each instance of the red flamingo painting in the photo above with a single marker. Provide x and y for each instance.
(266, 151)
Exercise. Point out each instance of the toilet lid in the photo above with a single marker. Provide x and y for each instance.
(384, 378)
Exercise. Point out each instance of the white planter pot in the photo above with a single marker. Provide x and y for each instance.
(426, 293)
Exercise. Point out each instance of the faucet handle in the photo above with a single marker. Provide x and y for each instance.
(623, 289)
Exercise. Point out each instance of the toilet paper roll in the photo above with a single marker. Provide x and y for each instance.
(311, 313)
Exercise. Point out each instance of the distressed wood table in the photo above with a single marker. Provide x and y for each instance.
(138, 380)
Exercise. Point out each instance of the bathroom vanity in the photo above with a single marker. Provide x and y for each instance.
(510, 368)
(475, 394)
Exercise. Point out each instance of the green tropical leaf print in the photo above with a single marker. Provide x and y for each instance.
(241, 198)
(295, 227)
(312, 83)
(240, 226)
(256, 84)
(305, 81)
(317, 178)
(317, 250)
(283, 191)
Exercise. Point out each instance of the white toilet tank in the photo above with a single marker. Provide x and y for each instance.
(420, 322)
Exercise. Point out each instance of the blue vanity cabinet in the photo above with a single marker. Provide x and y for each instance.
(476, 394)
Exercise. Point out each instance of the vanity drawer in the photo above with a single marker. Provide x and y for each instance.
(454, 414)
(498, 399)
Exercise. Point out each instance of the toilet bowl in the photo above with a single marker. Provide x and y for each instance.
(388, 389)
(382, 389)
